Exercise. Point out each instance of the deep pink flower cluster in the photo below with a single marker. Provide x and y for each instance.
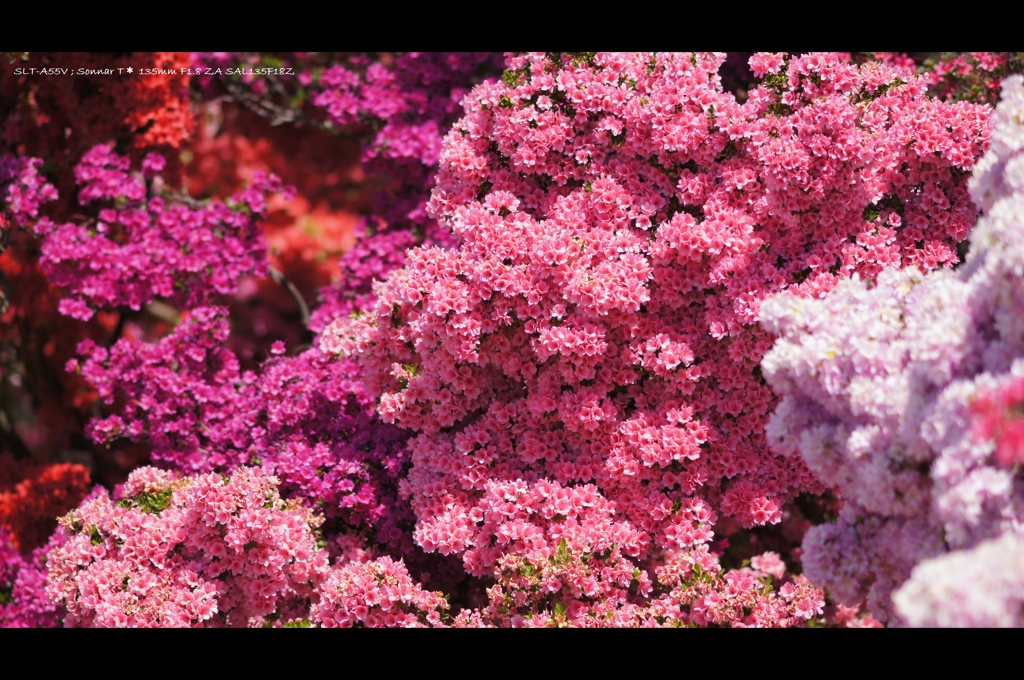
(202, 551)
(409, 105)
(301, 418)
(137, 249)
(377, 594)
(620, 220)
(23, 600)
(22, 189)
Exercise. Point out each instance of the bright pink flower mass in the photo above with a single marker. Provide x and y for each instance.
(535, 397)
(592, 342)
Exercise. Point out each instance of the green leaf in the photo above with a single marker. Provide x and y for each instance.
(152, 503)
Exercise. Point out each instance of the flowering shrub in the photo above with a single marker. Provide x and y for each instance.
(302, 419)
(208, 550)
(140, 249)
(321, 439)
(700, 594)
(530, 391)
(880, 382)
(620, 220)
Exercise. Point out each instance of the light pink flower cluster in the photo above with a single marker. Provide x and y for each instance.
(135, 249)
(621, 219)
(878, 381)
(978, 588)
(202, 551)
(378, 594)
(587, 582)
(22, 189)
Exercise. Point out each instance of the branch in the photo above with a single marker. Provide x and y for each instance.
(303, 307)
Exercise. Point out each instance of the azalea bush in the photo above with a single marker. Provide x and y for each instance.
(554, 339)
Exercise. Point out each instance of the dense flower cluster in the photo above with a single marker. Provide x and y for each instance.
(201, 551)
(410, 104)
(378, 594)
(33, 496)
(620, 220)
(586, 581)
(301, 418)
(878, 382)
(23, 599)
(700, 594)
(140, 249)
(980, 588)
(22, 189)
(556, 550)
